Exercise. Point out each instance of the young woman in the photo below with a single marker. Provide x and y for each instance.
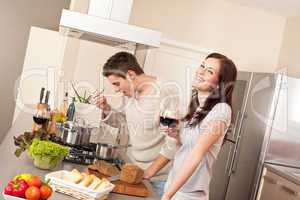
(203, 130)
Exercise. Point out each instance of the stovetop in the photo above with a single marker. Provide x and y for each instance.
(85, 155)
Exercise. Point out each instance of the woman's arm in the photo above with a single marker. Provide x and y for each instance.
(215, 131)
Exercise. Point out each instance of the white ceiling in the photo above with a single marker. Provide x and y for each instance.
(286, 8)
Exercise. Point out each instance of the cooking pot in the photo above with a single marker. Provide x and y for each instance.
(108, 151)
(74, 134)
(84, 135)
(70, 134)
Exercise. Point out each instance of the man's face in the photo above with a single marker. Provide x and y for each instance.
(122, 85)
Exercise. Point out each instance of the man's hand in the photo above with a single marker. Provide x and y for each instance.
(156, 166)
(165, 197)
(147, 174)
(100, 101)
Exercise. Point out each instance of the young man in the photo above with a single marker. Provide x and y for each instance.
(145, 98)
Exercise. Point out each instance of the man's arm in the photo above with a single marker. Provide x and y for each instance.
(156, 166)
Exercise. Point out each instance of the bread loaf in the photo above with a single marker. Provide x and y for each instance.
(87, 180)
(105, 168)
(74, 176)
(104, 183)
(95, 183)
(131, 174)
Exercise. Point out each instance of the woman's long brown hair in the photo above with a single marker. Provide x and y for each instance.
(222, 94)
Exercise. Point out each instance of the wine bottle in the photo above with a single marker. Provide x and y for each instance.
(71, 110)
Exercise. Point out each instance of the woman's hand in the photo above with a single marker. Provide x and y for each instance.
(171, 132)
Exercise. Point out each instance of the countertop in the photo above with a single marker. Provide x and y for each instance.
(11, 165)
(290, 173)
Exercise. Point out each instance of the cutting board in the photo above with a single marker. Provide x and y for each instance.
(122, 187)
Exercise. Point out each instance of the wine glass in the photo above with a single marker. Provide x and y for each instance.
(42, 115)
(169, 118)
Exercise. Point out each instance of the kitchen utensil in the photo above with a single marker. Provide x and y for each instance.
(59, 129)
(84, 135)
(70, 134)
(108, 151)
(42, 94)
(47, 97)
(114, 178)
(95, 95)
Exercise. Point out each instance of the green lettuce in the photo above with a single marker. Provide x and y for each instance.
(43, 148)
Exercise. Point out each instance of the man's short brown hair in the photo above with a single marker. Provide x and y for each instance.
(120, 63)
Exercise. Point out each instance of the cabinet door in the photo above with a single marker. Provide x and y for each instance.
(175, 65)
(42, 64)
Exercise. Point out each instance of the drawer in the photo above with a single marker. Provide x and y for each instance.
(276, 187)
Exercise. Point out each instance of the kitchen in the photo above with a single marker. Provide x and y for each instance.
(276, 39)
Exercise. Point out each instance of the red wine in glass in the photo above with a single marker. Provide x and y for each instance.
(40, 120)
(169, 122)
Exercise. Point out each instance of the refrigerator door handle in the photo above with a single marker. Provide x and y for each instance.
(231, 158)
(237, 156)
(233, 163)
(235, 125)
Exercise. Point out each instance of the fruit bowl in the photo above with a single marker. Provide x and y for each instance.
(9, 197)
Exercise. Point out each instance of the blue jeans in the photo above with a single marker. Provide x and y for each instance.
(159, 187)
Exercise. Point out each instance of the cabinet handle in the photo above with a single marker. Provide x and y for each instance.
(289, 190)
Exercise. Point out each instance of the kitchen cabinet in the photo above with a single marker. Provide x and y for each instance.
(117, 10)
(176, 65)
(276, 187)
(43, 61)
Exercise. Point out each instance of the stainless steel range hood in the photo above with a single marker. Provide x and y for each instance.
(106, 22)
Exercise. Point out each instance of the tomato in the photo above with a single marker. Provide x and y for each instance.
(33, 193)
(34, 181)
(46, 191)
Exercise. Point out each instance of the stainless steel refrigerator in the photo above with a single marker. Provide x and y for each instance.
(282, 145)
(254, 101)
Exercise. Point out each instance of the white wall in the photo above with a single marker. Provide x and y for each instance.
(251, 37)
(290, 49)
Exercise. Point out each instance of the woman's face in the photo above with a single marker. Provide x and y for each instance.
(207, 75)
